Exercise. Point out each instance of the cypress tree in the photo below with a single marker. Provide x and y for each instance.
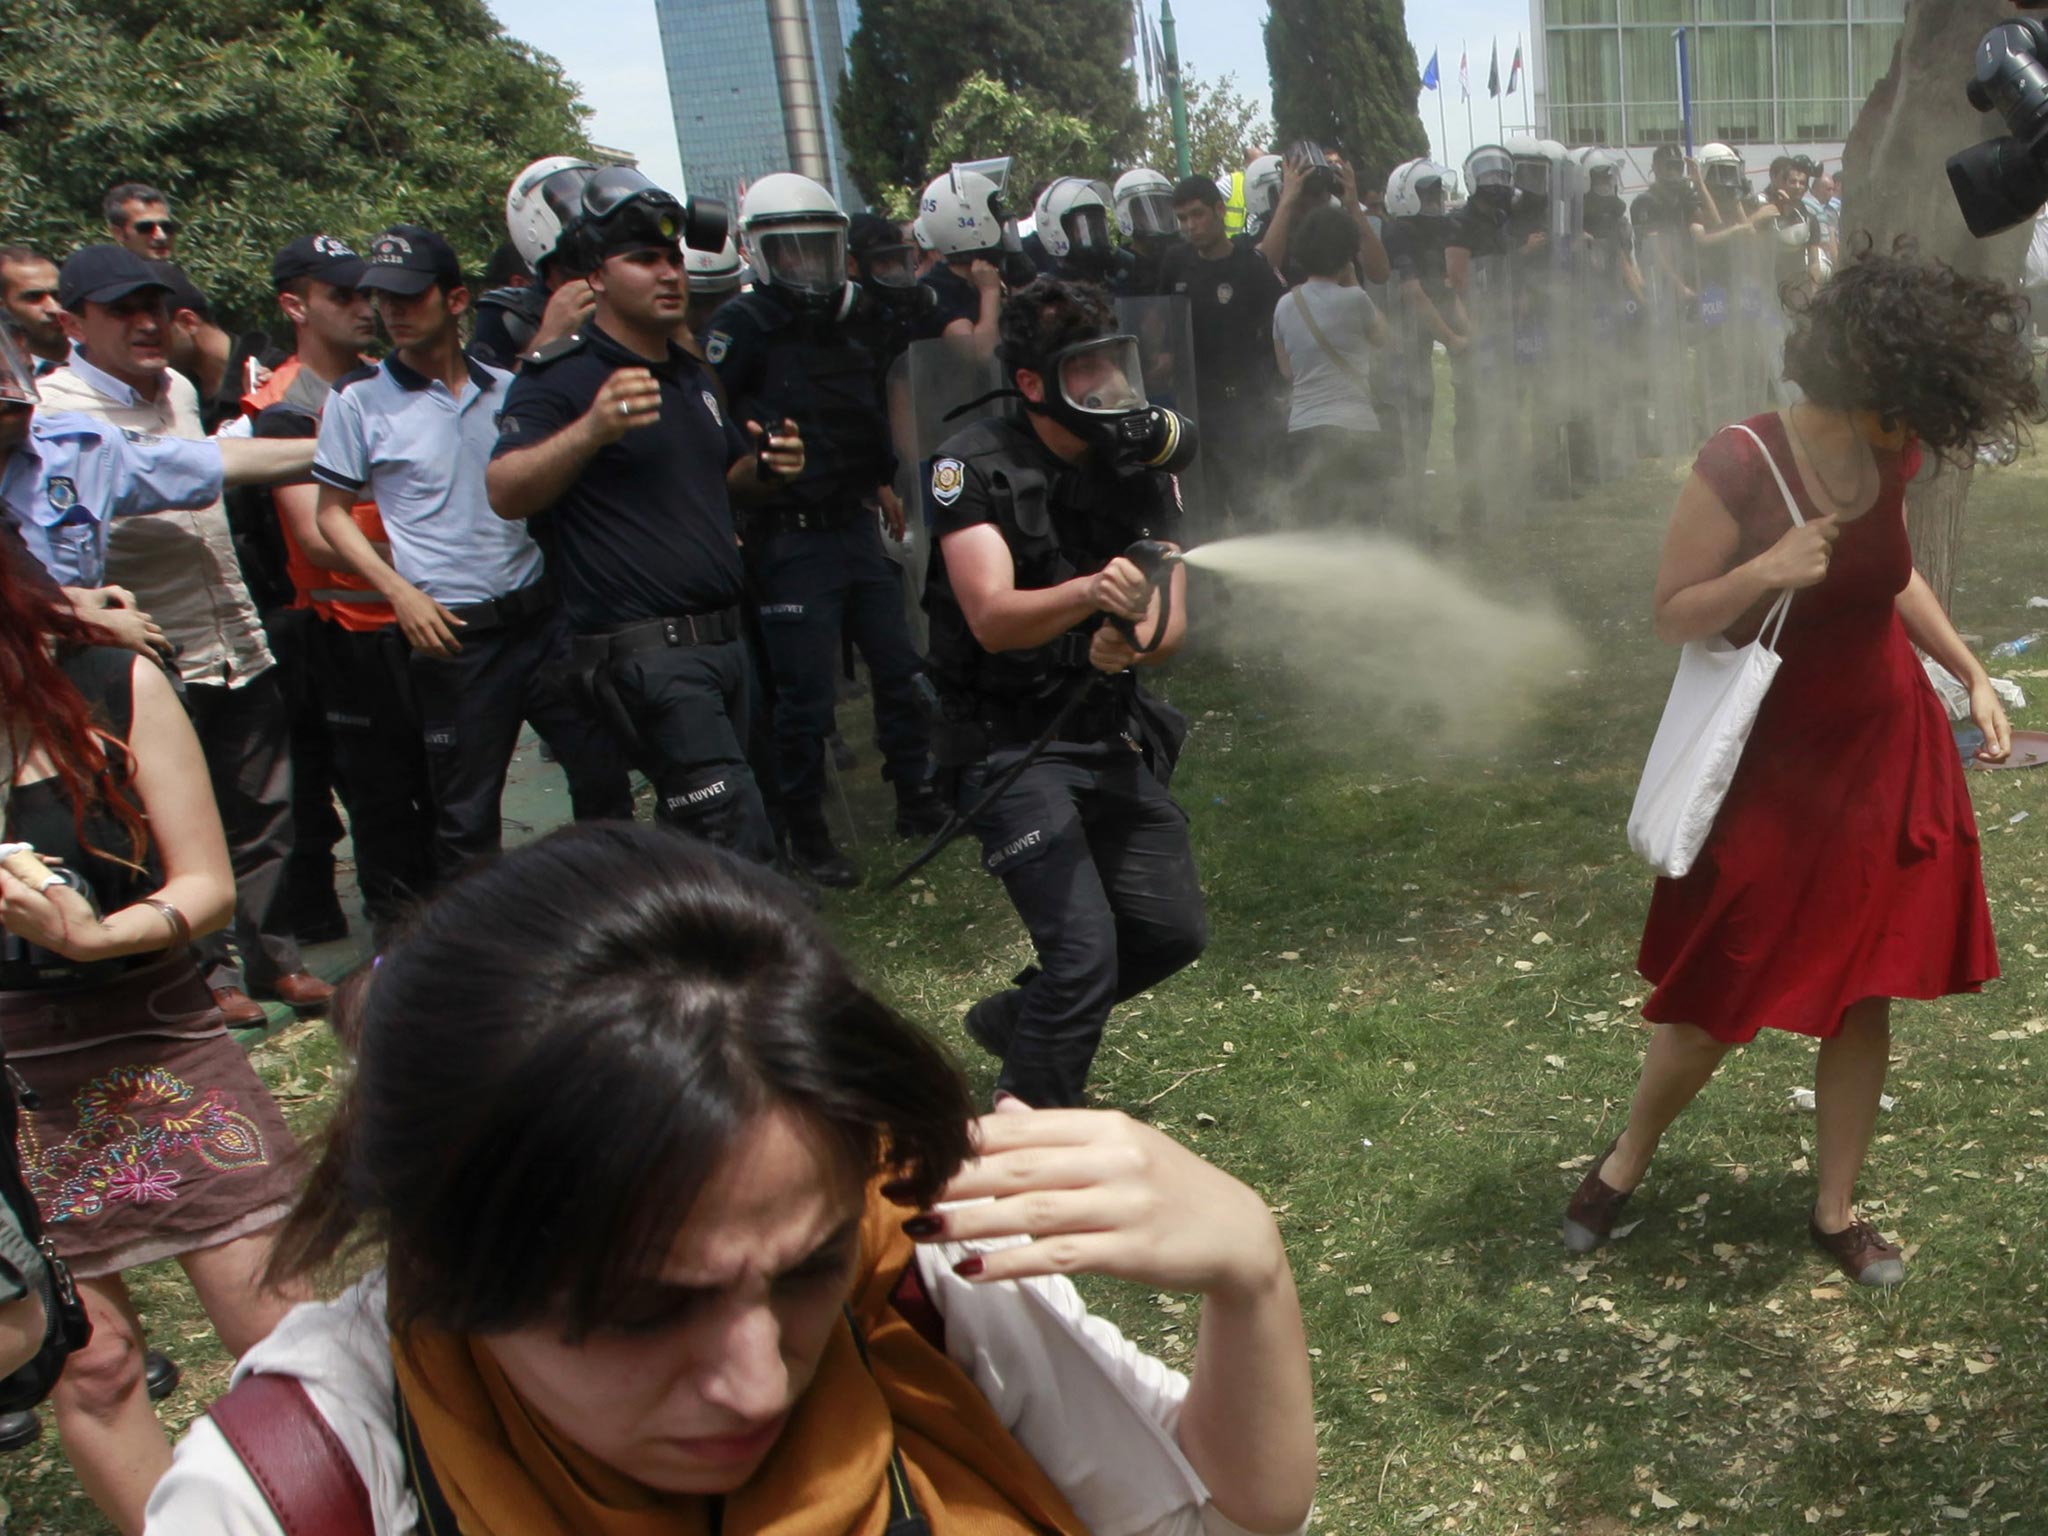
(1344, 74)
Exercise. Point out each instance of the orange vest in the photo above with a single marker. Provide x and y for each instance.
(331, 594)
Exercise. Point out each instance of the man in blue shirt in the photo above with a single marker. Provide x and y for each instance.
(489, 648)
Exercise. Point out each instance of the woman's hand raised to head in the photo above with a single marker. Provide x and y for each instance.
(1098, 1193)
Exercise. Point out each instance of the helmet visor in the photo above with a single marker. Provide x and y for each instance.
(1087, 231)
(890, 266)
(1604, 180)
(1150, 215)
(562, 192)
(1103, 377)
(811, 261)
(17, 377)
(605, 193)
(1532, 176)
(1491, 168)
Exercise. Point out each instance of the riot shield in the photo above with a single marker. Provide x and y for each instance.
(1723, 362)
(1166, 351)
(930, 381)
(1663, 341)
(1761, 323)
(1607, 404)
(1411, 340)
(1487, 430)
(1543, 379)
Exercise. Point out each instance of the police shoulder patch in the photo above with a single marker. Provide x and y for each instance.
(141, 439)
(63, 492)
(948, 476)
(716, 347)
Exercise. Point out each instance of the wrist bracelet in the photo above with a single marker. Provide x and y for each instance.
(181, 931)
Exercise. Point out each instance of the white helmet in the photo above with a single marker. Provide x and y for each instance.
(1144, 205)
(1411, 179)
(1072, 219)
(1722, 167)
(961, 214)
(543, 200)
(714, 272)
(795, 238)
(1596, 165)
(1489, 165)
(1262, 179)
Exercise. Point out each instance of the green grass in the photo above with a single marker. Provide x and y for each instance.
(1435, 955)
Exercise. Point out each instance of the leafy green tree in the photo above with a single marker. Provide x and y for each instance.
(1344, 73)
(1224, 129)
(267, 119)
(987, 118)
(910, 59)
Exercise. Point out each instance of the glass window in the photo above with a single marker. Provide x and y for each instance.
(1875, 42)
(1879, 10)
(1814, 87)
(1813, 10)
(1736, 122)
(1664, 12)
(1735, 10)
(1734, 64)
(1585, 68)
(1650, 61)
(1653, 122)
(1564, 13)
(1576, 127)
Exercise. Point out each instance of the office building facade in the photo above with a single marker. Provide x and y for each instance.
(1768, 76)
(753, 85)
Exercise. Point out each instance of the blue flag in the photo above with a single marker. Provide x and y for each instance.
(1429, 75)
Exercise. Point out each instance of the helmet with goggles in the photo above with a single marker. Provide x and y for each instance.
(618, 209)
(545, 199)
(795, 237)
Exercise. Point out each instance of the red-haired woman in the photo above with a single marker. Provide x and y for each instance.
(151, 1137)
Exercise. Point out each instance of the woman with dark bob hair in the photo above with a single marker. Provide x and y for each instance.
(1842, 871)
(683, 1230)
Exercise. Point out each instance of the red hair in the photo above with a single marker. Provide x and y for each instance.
(41, 707)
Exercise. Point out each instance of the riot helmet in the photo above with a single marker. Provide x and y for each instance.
(1723, 169)
(1144, 206)
(1420, 189)
(1600, 175)
(1262, 181)
(544, 200)
(621, 210)
(1072, 221)
(795, 237)
(1667, 164)
(1490, 176)
(886, 260)
(961, 215)
(718, 272)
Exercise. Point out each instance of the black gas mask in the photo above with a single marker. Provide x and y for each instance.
(621, 210)
(1604, 209)
(1096, 390)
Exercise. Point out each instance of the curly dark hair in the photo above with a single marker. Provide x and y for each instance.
(1048, 314)
(1943, 353)
(1326, 242)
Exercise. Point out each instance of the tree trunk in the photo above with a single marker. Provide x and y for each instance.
(1895, 169)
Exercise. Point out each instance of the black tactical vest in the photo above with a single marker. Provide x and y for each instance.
(817, 375)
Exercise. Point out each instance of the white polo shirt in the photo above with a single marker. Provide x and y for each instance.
(420, 451)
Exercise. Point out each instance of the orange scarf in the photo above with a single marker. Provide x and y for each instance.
(506, 1472)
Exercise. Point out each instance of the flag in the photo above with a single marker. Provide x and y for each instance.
(1465, 73)
(1493, 74)
(1515, 70)
(1430, 79)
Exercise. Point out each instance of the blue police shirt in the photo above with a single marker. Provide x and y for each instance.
(74, 473)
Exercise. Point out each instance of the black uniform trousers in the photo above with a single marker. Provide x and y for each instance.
(372, 721)
(1241, 432)
(306, 897)
(1095, 857)
(471, 707)
(246, 737)
(815, 587)
(688, 707)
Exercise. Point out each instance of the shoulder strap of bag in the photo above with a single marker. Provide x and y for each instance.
(306, 1474)
(1330, 350)
(1774, 621)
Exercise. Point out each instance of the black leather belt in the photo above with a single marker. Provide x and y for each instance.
(775, 521)
(503, 612)
(660, 634)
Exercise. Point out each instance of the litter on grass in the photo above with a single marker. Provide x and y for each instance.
(1802, 1098)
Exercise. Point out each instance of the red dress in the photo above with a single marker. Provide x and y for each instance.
(1844, 863)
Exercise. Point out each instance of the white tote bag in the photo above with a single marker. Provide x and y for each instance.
(1707, 720)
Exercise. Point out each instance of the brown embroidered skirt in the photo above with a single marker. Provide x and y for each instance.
(152, 1135)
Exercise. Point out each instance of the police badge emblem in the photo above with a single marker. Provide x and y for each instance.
(948, 476)
(716, 347)
(63, 493)
(1225, 293)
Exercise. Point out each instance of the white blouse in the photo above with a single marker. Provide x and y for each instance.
(1096, 1412)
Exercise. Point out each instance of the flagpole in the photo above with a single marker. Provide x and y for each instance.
(1465, 86)
(1443, 118)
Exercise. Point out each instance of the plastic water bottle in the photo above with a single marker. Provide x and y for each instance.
(2012, 648)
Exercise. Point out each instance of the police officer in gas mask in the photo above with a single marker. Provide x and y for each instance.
(891, 308)
(814, 552)
(1045, 607)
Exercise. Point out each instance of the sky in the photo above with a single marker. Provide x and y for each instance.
(612, 50)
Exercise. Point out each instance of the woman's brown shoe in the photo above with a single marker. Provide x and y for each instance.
(1862, 1254)
(1589, 1219)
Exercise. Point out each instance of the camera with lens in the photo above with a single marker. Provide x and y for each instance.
(1321, 181)
(35, 966)
(2003, 182)
(1156, 438)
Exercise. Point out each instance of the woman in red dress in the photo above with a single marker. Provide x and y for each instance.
(1843, 870)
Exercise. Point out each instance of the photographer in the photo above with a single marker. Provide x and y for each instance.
(1319, 178)
(1033, 512)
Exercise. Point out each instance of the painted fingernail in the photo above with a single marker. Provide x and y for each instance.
(899, 1191)
(968, 1267)
(924, 1226)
